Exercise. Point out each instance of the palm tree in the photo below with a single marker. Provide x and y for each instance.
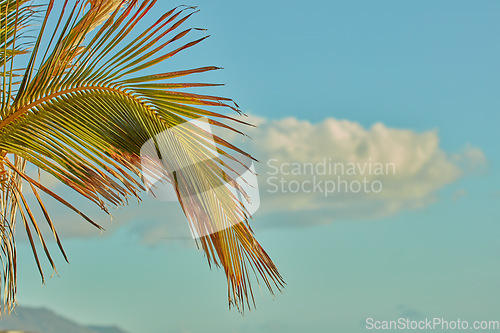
(82, 107)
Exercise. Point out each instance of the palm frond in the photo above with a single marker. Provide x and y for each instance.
(87, 111)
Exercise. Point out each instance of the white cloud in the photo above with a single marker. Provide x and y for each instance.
(471, 159)
(421, 167)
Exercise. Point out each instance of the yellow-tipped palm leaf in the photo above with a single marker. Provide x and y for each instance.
(83, 107)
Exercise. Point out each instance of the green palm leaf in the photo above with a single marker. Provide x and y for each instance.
(83, 115)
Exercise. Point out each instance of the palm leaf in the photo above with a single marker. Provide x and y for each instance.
(87, 110)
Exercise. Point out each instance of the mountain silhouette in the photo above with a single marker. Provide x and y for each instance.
(41, 320)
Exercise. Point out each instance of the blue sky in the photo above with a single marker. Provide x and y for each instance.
(414, 66)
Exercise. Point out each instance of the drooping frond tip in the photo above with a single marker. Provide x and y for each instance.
(8, 256)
